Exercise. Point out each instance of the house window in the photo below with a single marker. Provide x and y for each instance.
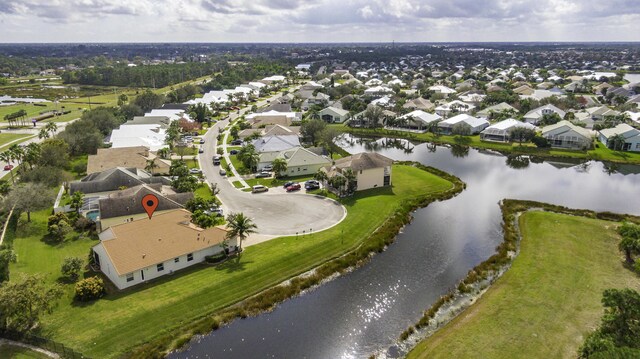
(637, 145)
(130, 277)
(160, 267)
(176, 260)
(189, 257)
(360, 171)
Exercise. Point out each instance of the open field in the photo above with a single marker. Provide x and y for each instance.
(121, 321)
(547, 302)
(5, 138)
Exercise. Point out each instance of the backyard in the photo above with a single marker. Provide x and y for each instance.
(121, 321)
(548, 301)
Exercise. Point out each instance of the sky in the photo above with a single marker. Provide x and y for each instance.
(318, 20)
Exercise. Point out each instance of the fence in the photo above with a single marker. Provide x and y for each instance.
(44, 343)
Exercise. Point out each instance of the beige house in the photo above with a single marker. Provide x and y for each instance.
(372, 169)
(301, 161)
(128, 157)
(263, 119)
(145, 249)
(564, 134)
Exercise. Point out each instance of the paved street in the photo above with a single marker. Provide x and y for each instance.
(274, 212)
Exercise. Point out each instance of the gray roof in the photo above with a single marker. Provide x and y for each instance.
(276, 143)
(113, 179)
(129, 201)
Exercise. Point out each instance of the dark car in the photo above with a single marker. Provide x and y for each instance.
(287, 184)
(263, 174)
(233, 152)
(311, 184)
(201, 140)
(294, 187)
(236, 142)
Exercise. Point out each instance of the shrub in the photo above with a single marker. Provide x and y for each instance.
(82, 224)
(89, 289)
(540, 142)
(58, 226)
(636, 266)
(216, 257)
(71, 268)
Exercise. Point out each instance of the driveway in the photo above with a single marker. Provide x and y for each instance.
(274, 213)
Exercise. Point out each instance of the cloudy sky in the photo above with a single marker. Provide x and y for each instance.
(318, 20)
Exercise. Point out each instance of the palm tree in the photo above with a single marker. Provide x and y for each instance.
(17, 152)
(351, 179)
(51, 127)
(7, 157)
(150, 165)
(77, 200)
(44, 134)
(32, 154)
(616, 142)
(321, 176)
(241, 226)
(279, 166)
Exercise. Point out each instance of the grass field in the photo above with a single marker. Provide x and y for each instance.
(547, 302)
(8, 351)
(5, 138)
(121, 321)
(277, 182)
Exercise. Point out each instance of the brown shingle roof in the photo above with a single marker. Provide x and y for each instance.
(142, 243)
(363, 161)
(129, 201)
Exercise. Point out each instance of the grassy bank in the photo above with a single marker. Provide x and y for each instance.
(168, 311)
(6, 138)
(9, 351)
(549, 299)
(600, 153)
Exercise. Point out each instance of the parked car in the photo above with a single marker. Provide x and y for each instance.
(233, 152)
(215, 210)
(200, 150)
(259, 188)
(294, 187)
(287, 184)
(216, 160)
(202, 141)
(267, 168)
(311, 184)
(188, 138)
(263, 174)
(222, 172)
(8, 167)
(195, 171)
(236, 143)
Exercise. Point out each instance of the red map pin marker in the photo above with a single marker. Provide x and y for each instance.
(150, 203)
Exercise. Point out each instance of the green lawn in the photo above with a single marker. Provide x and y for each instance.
(547, 302)
(8, 351)
(277, 182)
(237, 184)
(203, 191)
(5, 138)
(121, 321)
(604, 154)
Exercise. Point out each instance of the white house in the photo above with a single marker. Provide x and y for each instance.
(378, 91)
(371, 169)
(564, 134)
(601, 112)
(172, 114)
(631, 137)
(443, 90)
(301, 161)
(151, 136)
(333, 114)
(454, 107)
(476, 124)
(419, 120)
(501, 131)
(534, 116)
(144, 249)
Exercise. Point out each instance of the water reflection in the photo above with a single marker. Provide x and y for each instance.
(366, 310)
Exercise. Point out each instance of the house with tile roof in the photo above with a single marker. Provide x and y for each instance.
(372, 169)
(136, 157)
(148, 248)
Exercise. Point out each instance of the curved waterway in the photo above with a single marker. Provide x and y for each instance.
(365, 311)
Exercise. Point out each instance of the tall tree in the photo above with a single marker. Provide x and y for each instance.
(148, 101)
(77, 200)
(29, 197)
(241, 226)
(521, 134)
(311, 129)
(279, 166)
(7, 157)
(23, 301)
